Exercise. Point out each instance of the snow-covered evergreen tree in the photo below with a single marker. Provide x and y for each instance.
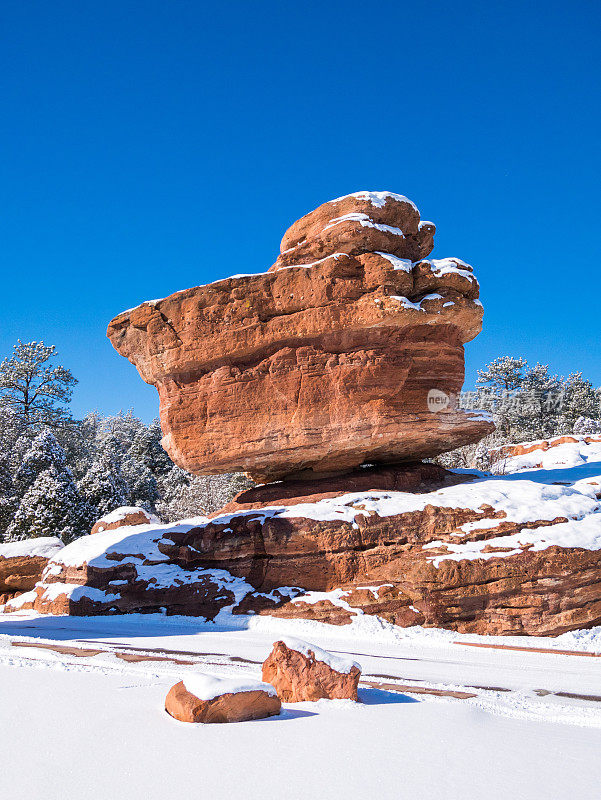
(142, 485)
(200, 495)
(34, 388)
(146, 449)
(122, 427)
(44, 452)
(539, 404)
(503, 374)
(103, 487)
(11, 429)
(579, 399)
(587, 425)
(51, 506)
(9, 501)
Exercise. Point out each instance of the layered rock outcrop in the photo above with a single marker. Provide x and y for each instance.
(325, 362)
(309, 372)
(497, 555)
(22, 564)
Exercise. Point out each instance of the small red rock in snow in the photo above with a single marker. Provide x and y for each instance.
(302, 671)
(125, 515)
(206, 698)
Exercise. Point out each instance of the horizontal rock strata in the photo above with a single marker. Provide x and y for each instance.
(315, 368)
(496, 556)
(22, 564)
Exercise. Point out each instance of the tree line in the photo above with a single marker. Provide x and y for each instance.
(58, 475)
(526, 403)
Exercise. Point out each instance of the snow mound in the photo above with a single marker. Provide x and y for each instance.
(44, 546)
(550, 454)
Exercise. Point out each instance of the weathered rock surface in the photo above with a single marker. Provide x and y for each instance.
(363, 222)
(409, 477)
(221, 700)
(301, 671)
(124, 516)
(318, 367)
(498, 555)
(124, 571)
(22, 563)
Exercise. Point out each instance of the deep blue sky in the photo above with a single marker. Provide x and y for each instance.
(151, 146)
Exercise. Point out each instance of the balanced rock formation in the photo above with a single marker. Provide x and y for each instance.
(122, 517)
(333, 358)
(301, 671)
(206, 698)
(22, 564)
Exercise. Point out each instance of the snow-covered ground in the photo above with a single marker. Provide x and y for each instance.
(441, 714)
(87, 718)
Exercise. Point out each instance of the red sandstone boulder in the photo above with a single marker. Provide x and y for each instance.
(302, 671)
(321, 366)
(124, 516)
(206, 698)
(363, 222)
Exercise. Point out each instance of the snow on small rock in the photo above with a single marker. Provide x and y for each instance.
(208, 698)
(337, 663)
(302, 671)
(207, 687)
(125, 515)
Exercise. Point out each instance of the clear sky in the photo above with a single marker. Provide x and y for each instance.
(152, 146)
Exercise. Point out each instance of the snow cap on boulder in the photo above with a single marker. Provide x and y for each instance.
(124, 516)
(208, 698)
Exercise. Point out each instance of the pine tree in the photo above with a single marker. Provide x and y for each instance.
(44, 452)
(50, 507)
(142, 485)
(539, 407)
(123, 427)
(103, 487)
(579, 398)
(147, 449)
(504, 373)
(199, 495)
(11, 429)
(587, 425)
(34, 388)
(9, 501)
